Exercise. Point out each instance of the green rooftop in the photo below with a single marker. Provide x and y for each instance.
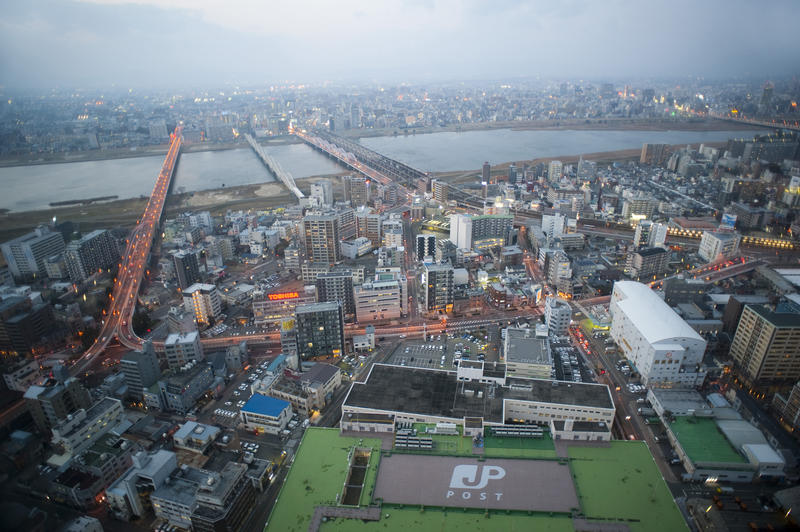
(702, 440)
(616, 483)
(623, 483)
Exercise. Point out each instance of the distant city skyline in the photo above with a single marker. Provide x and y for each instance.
(45, 43)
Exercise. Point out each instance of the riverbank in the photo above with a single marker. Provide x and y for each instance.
(609, 124)
(129, 153)
(601, 158)
(125, 212)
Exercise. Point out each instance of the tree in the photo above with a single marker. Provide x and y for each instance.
(141, 322)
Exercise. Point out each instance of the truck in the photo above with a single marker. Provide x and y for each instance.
(646, 411)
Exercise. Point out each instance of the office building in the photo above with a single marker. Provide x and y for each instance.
(787, 407)
(436, 284)
(657, 342)
(51, 402)
(645, 263)
(321, 233)
(187, 269)
(323, 190)
(263, 414)
(348, 229)
(337, 286)
(92, 253)
(486, 173)
(766, 346)
(320, 330)
(20, 373)
(83, 427)
(195, 437)
(272, 308)
(426, 246)
(26, 255)
(378, 300)
(481, 232)
(557, 316)
(639, 207)
(554, 171)
(129, 495)
(356, 190)
(204, 302)
(180, 349)
(24, 324)
(352, 249)
(526, 354)
(180, 391)
(141, 369)
(716, 245)
(307, 391)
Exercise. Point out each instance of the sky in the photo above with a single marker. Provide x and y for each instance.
(180, 43)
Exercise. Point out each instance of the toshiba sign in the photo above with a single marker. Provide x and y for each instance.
(283, 295)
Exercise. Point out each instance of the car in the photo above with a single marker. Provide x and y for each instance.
(228, 403)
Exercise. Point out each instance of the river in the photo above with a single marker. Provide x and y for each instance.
(34, 187)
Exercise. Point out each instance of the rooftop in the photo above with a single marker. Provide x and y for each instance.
(702, 440)
(265, 405)
(439, 393)
(654, 319)
(317, 307)
(523, 347)
(778, 319)
(182, 338)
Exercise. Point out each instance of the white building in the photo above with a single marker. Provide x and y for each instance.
(557, 315)
(378, 300)
(554, 225)
(718, 245)
(664, 349)
(265, 414)
(182, 348)
(526, 354)
(357, 247)
(148, 473)
(392, 233)
(555, 170)
(323, 190)
(650, 234)
(204, 302)
(81, 429)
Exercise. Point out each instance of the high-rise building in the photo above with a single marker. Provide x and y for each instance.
(512, 174)
(392, 233)
(180, 349)
(323, 190)
(337, 286)
(654, 154)
(51, 402)
(639, 206)
(348, 228)
(204, 302)
(766, 346)
(554, 171)
(647, 262)
(356, 190)
(486, 174)
(95, 251)
(322, 238)
(557, 315)
(650, 234)
(718, 244)
(425, 246)
(140, 368)
(320, 330)
(369, 225)
(437, 288)
(187, 269)
(440, 191)
(26, 255)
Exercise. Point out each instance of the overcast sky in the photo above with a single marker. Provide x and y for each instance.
(49, 43)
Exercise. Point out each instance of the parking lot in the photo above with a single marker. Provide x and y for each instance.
(442, 350)
(568, 364)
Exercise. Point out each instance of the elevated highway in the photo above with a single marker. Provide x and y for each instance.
(118, 322)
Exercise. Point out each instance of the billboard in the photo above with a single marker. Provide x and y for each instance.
(283, 295)
(466, 482)
(728, 222)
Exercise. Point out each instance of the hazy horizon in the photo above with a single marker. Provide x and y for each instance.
(146, 43)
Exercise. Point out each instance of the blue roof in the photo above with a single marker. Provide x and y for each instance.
(265, 405)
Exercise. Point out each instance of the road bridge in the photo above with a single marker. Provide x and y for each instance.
(118, 322)
(272, 165)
